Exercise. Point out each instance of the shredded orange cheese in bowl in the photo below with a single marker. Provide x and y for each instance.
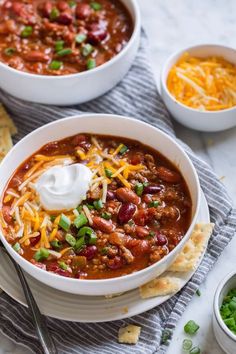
(206, 84)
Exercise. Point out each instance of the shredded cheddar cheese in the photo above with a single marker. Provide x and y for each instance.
(207, 84)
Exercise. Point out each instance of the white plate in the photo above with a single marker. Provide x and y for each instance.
(65, 306)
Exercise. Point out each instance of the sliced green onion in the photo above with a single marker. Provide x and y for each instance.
(16, 247)
(9, 51)
(191, 327)
(72, 3)
(59, 46)
(79, 208)
(80, 243)
(198, 292)
(98, 204)
(153, 204)
(70, 239)
(80, 220)
(139, 189)
(91, 239)
(104, 251)
(108, 172)
(195, 350)
(80, 38)
(63, 265)
(232, 305)
(41, 254)
(64, 52)
(131, 223)
(64, 222)
(87, 49)
(91, 64)
(52, 218)
(86, 230)
(57, 245)
(27, 31)
(152, 233)
(90, 206)
(165, 336)
(96, 6)
(123, 149)
(106, 216)
(88, 234)
(187, 344)
(54, 13)
(55, 65)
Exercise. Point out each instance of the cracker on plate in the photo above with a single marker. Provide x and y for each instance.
(189, 256)
(129, 334)
(5, 141)
(6, 121)
(160, 286)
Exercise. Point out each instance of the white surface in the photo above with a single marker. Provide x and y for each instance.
(70, 307)
(102, 124)
(205, 121)
(172, 24)
(77, 88)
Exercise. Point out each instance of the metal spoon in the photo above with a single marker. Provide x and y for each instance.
(44, 336)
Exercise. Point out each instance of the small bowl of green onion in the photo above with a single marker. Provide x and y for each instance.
(224, 316)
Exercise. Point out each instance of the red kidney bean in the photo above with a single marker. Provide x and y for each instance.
(65, 18)
(81, 141)
(152, 189)
(54, 268)
(62, 5)
(141, 248)
(6, 214)
(102, 224)
(83, 11)
(35, 56)
(46, 8)
(127, 195)
(38, 264)
(34, 240)
(141, 231)
(167, 175)
(110, 195)
(17, 8)
(126, 212)
(7, 5)
(160, 239)
(97, 36)
(89, 252)
(115, 263)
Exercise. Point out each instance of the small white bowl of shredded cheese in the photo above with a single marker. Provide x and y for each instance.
(198, 86)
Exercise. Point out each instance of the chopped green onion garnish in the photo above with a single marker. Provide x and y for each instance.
(166, 335)
(57, 245)
(55, 65)
(63, 52)
(59, 45)
(85, 231)
(80, 243)
(123, 149)
(195, 350)
(96, 6)
(80, 38)
(108, 173)
(70, 239)
(80, 220)
(90, 206)
(91, 64)
(52, 218)
(104, 251)
(72, 3)
(64, 222)
(98, 204)
(54, 14)
(91, 239)
(228, 310)
(232, 305)
(79, 208)
(106, 216)
(187, 344)
(16, 247)
(88, 234)
(131, 223)
(191, 327)
(41, 254)
(27, 31)
(9, 51)
(139, 189)
(153, 204)
(152, 233)
(198, 292)
(63, 265)
(87, 49)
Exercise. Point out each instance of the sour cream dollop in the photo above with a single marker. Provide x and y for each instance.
(63, 187)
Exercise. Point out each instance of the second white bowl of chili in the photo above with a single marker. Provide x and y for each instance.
(66, 52)
(152, 197)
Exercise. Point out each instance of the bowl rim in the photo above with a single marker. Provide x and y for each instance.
(130, 275)
(216, 306)
(174, 57)
(136, 29)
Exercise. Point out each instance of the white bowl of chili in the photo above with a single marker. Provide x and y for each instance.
(123, 127)
(37, 85)
(224, 335)
(199, 118)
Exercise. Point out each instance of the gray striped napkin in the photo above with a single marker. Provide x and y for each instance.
(135, 96)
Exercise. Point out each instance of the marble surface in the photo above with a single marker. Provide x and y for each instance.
(171, 25)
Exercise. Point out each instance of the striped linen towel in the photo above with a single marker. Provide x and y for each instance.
(135, 96)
